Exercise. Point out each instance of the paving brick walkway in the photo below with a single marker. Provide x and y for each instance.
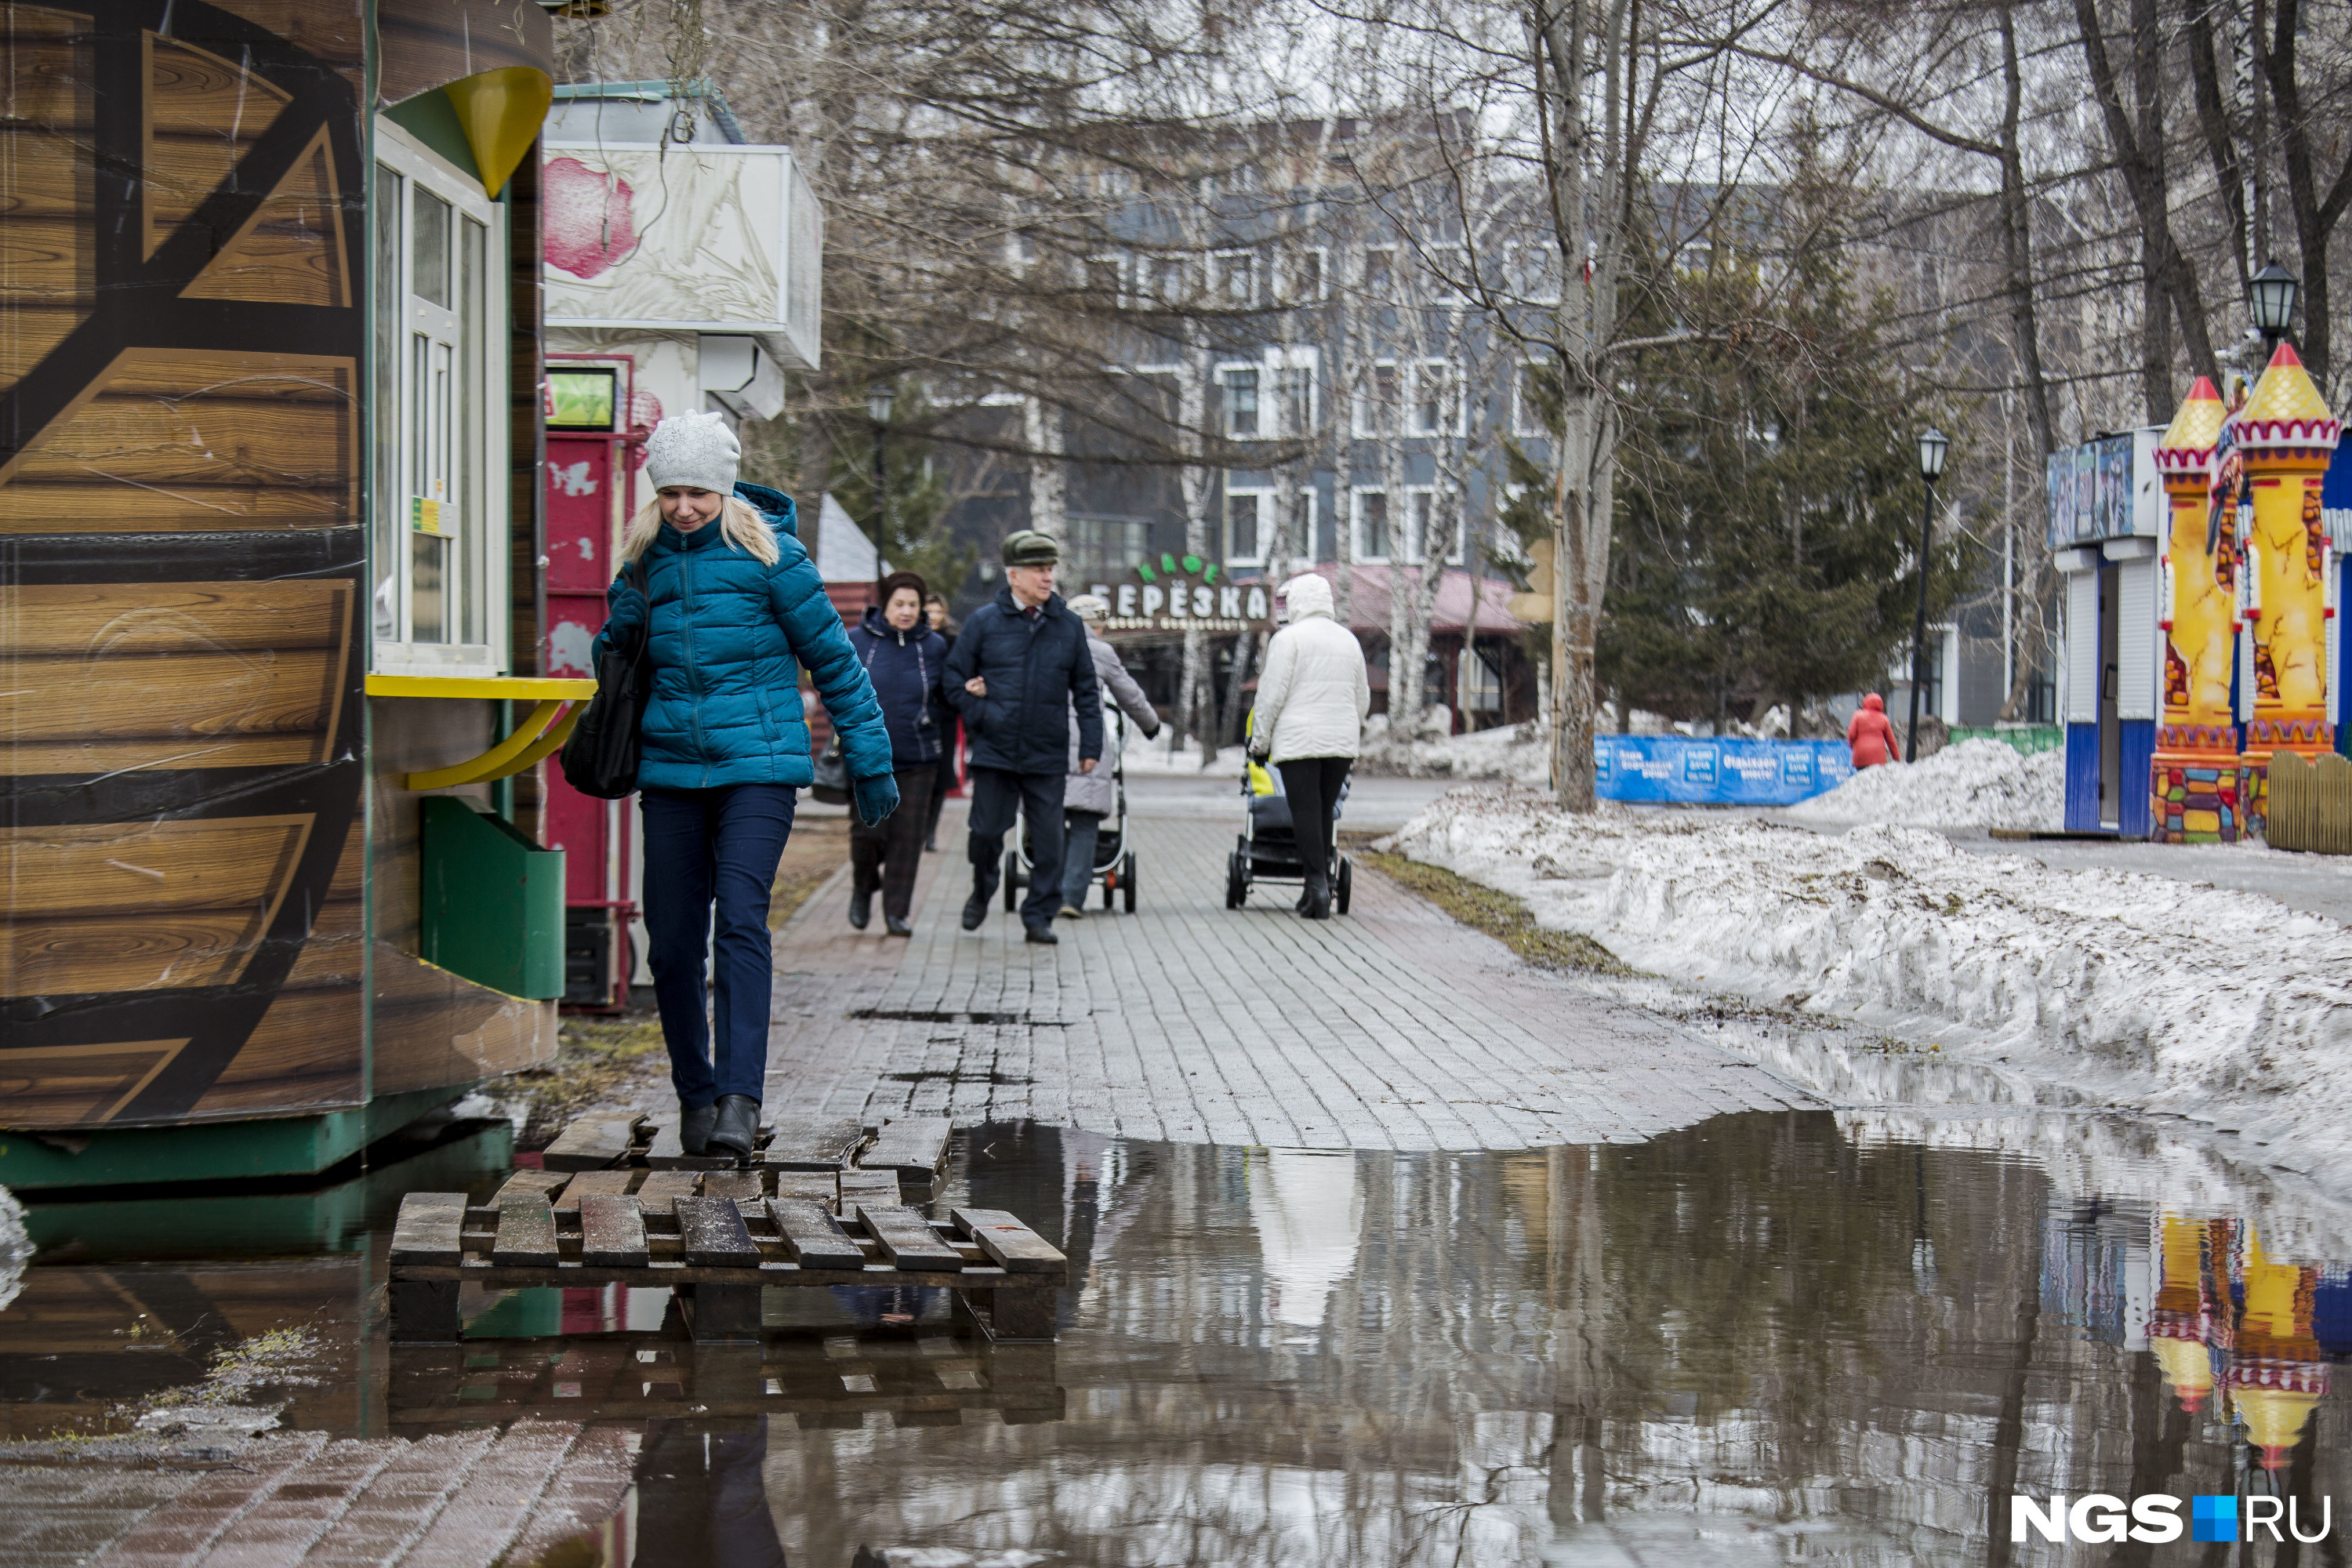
(300, 1501)
(1392, 1028)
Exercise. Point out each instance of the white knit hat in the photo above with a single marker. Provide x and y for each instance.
(696, 450)
(1087, 607)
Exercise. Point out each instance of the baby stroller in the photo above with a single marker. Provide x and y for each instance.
(1114, 864)
(1269, 845)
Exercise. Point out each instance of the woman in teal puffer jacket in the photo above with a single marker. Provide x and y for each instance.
(737, 609)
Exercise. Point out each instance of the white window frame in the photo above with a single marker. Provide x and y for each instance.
(1218, 261)
(1278, 362)
(1225, 368)
(1524, 423)
(1291, 294)
(1267, 498)
(1357, 497)
(1367, 400)
(1451, 384)
(1117, 264)
(477, 411)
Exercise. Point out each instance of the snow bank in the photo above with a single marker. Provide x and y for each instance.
(2147, 992)
(1514, 751)
(1976, 784)
(15, 1247)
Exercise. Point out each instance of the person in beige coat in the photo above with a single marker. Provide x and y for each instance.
(1312, 699)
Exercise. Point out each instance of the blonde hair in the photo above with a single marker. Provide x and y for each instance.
(745, 529)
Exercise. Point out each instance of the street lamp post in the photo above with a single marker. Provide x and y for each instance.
(878, 398)
(1933, 444)
(2271, 294)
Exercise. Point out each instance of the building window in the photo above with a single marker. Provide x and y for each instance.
(1237, 279)
(1167, 287)
(1105, 281)
(439, 508)
(1241, 402)
(1449, 267)
(1371, 526)
(1302, 539)
(1246, 514)
(1105, 549)
(1436, 409)
(1303, 277)
(1527, 410)
(1376, 411)
(1293, 390)
(1380, 273)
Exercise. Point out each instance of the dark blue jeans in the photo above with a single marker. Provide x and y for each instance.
(705, 847)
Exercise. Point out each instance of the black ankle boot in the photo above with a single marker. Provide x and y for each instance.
(738, 1128)
(694, 1127)
(861, 907)
(975, 908)
(1318, 897)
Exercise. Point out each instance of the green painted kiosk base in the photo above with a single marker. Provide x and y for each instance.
(208, 1150)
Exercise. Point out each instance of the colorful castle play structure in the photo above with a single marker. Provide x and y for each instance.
(2203, 572)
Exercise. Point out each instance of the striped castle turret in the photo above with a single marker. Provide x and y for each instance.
(2286, 576)
(2194, 777)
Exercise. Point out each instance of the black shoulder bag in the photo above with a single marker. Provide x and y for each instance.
(600, 759)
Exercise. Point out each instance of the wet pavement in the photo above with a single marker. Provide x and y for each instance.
(1490, 1267)
(1772, 1337)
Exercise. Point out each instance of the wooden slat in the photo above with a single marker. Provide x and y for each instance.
(187, 697)
(915, 1148)
(813, 1237)
(666, 1152)
(429, 1229)
(1010, 1244)
(661, 1189)
(867, 1187)
(612, 1231)
(713, 1234)
(83, 619)
(742, 1186)
(138, 866)
(542, 1184)
(810, 1144)
(817, 1187)
(589, 1144)
(607, 1183)
(907, 1239)
(526, 1234)
(65, 956)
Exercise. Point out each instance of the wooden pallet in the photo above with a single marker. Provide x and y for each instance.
(915, 1148)
(933, 1381)
(718, 1238)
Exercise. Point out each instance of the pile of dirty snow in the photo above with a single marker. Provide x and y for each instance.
(1516, 752)
(15, 1247)
(1976, 784)
(2146, 991)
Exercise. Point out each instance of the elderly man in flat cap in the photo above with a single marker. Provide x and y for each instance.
(1018, 671)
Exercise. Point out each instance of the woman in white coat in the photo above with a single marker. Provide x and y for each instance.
(1311, 703)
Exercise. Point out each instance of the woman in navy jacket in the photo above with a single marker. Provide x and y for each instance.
(736, 608)
(903, 658)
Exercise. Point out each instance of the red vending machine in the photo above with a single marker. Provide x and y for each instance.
(594, 444)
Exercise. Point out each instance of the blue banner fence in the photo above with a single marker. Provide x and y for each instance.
(1723, 771)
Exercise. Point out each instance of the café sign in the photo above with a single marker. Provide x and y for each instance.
(1184, 593)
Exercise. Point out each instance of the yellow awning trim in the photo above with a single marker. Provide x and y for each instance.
(539, 733)
(524, 687)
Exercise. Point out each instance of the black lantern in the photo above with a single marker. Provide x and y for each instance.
(2272, 294)
(1933, 445)
(878, 398)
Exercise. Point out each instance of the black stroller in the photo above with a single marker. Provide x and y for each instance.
(1114, 864)
(1269, 845)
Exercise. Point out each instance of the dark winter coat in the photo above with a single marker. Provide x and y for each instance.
(1036, 667)
(905, 668)
(730, 636)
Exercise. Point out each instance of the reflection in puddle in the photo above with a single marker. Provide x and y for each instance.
(1771, 1338)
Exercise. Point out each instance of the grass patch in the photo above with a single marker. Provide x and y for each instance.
(1499, 915)
(594, 1057)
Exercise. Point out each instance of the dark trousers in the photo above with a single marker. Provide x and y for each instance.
(997, 794)
(886, 855)
(706, 847)
(946, 781)
(1312, 786)
(702, 1492)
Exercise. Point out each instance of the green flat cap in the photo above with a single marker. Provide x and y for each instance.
(1030, 548)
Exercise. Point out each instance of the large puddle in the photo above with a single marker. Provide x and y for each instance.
(1792, 1337)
